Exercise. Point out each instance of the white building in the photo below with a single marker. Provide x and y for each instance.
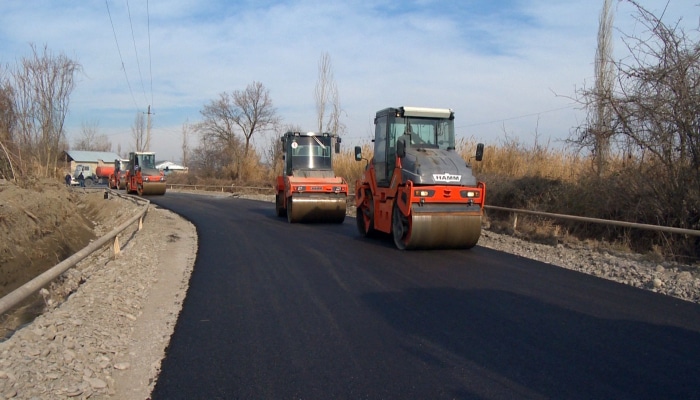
(169, 166)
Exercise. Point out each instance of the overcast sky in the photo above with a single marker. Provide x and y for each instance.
(507, 68)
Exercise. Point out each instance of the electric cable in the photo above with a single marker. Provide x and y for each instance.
(126, 76)
(136, 53)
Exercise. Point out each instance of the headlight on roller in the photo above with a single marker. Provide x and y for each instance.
(423, 193)
(470, 194)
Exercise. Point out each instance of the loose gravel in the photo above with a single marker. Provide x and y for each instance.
(107, 339)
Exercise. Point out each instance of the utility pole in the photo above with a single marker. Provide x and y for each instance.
(147, 145)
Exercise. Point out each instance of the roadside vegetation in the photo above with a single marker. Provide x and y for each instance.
(636, 158)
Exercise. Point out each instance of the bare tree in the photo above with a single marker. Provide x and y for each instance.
(91, 139)
(8, 121)
(7, 111)
(654, 109)
(254, 111)
(43, 84)
(604, 81)
(138, 132)
(250, 110)
(217, 131)
(208, 159)
(326, 96)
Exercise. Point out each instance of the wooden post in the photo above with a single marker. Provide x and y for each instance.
(115, 247)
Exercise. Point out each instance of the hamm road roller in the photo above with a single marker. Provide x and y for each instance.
(308, 190)
(416, 187)
(142, 176)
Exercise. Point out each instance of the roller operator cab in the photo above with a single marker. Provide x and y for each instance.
(308, 190)
(416, 187)
(142, 176)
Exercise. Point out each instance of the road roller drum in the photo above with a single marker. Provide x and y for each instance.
(316, 209)
(152, 188)
(441, 227)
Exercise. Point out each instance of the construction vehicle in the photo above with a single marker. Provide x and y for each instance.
(142, 176)
(100, 176)
(117, 180)
(416, 187)
(308, 190)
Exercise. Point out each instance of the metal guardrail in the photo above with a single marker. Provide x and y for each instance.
(18, 295)
(657, 228)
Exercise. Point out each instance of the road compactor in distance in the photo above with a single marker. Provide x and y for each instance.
(416, 187)
(308, 190)
(117, 180)
(142, 176)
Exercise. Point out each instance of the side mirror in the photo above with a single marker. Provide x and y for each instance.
(358, 153)
(401, 148)
(337, 146)
(479, 151)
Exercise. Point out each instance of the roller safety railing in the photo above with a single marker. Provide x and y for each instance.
(21, 293)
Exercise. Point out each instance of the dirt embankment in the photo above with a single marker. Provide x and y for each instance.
(43, 224)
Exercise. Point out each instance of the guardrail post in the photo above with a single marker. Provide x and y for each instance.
(141, 222)
(115, 247)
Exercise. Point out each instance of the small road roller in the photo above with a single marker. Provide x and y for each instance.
(308, 190)
(142, 176)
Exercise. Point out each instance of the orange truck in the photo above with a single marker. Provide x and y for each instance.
(416, 187)
(308, 190)
(100, 175)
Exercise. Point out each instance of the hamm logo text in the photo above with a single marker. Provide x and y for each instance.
(447, 178)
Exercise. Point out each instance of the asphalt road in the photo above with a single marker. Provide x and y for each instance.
(289, 311)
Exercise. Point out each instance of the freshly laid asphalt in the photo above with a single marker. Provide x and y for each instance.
(313, 311)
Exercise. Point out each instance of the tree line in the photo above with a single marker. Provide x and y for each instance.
(35, 98)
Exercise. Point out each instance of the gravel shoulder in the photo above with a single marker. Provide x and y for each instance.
(106, 341)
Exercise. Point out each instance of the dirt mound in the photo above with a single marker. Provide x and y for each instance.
(43, 224)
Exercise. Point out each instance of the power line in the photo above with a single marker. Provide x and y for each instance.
(136, 53)
(120, 56)
(489, 122)
(517, 117)
(150, 69)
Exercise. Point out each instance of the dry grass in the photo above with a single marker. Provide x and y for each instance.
(344, 164)
(563, 181)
